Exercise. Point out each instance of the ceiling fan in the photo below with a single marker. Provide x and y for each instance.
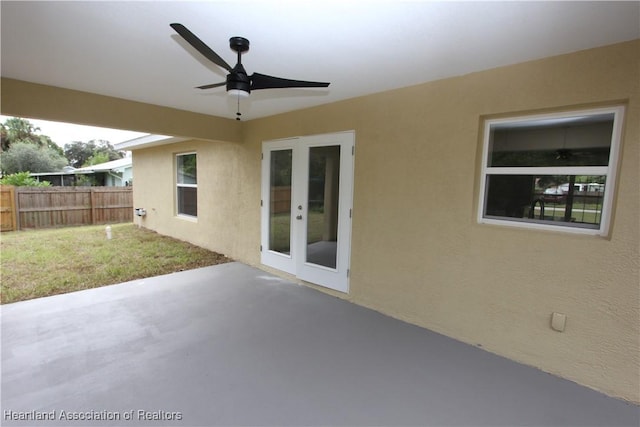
(238, 83)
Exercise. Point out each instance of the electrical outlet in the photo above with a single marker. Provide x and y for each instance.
(558, 321)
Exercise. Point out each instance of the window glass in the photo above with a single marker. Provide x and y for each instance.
(188, 201)
(551, 170)
(583, 142)
(280, 206)
(187, 184)
(322, 207)
(187, 169)
(573, 199)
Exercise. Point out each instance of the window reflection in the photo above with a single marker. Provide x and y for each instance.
(322, 210)
(578, 144)
(574, 199)
(280, 201)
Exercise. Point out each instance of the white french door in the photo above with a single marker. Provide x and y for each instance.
(307, 192)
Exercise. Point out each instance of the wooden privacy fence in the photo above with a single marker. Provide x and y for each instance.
(45, 207)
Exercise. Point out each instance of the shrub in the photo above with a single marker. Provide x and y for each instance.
(23, 156)
(23, 179)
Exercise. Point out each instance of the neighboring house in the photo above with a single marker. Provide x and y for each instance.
(414, 201)
(116, 173)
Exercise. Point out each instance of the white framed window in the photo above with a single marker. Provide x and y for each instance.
(187, 184)
(551, 171)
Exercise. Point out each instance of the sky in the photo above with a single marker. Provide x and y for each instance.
(65, 133)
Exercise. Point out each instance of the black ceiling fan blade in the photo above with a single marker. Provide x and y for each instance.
(200, 46)
(211, 85)
(262, 81)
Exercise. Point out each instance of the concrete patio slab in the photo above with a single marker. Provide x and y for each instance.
(233, 345)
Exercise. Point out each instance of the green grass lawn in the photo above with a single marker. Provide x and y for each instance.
(40, 263)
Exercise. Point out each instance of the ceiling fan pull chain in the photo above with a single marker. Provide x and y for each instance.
(238, 114)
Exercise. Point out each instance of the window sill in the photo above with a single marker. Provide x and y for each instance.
(543, 226)
(187, 217)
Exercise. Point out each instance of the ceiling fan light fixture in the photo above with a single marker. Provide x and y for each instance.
(238, 92)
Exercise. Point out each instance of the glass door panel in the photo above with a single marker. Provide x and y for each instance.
(322, 205)
(280, 201)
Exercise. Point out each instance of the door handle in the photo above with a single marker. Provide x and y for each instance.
(299, 217)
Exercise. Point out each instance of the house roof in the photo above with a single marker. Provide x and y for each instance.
(127, 49)
(147, 141)
(113, 165)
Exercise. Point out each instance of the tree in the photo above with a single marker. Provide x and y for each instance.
(23, 156)
(23, 179)
(48, 142)
(96, 159)
(15, 130)
(105, 147)
(78, 153)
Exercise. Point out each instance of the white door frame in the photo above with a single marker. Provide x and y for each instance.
(295, 262)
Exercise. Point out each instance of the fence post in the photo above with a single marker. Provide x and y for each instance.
(93, 206)
(16, 204)
(14, 208)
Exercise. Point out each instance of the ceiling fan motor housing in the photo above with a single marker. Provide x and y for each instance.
(237, 79)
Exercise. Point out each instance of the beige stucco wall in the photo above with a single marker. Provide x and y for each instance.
(222, 194)
(418, 253)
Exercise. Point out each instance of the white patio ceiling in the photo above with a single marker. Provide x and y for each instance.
(128, 50)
